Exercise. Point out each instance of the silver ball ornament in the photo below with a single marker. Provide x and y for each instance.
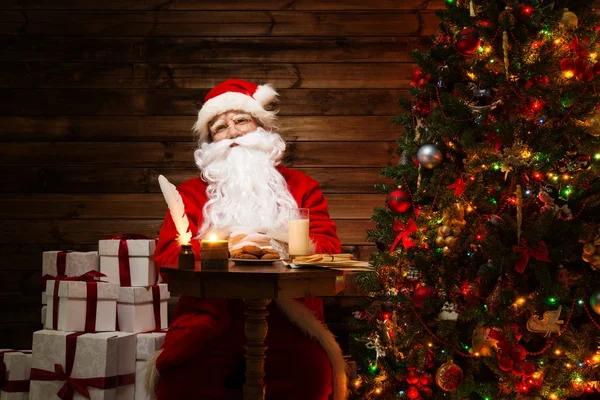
(429, 156)
(595, 301)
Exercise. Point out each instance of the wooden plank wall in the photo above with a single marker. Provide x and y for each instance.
(98, 98)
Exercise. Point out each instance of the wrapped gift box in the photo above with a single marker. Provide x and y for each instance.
(63, 263)
(16, 384)
(101, 363)
(128, 262)
(143, 309)
(77, 310)
(147, 345)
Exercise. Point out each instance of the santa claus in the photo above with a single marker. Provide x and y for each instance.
(245, 192)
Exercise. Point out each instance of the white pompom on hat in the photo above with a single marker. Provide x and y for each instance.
(236, 94)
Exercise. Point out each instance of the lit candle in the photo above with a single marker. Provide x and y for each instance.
(214, 254)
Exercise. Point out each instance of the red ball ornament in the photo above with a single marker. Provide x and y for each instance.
(426, 379)
(422, 294)
(398, 200)
(543, 80)
(528, 369)
(417, 74)
(505, 363)
(567, 64)
(449, 376)
(467, 41)
(412, 377)
(581, 65)
(412, 392)
(518, 353)
(517, 368)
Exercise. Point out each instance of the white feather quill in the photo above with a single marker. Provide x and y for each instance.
(177, 210)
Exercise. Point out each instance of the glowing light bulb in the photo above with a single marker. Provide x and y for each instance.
(568, 74)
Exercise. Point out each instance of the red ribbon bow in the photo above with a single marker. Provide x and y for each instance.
(79, 385)
(538, 252)
(404, 231)
(123, 255)
(8, 386)
(459, 186)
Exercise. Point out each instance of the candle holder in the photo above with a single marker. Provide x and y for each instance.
(186, 259)
(214, 255)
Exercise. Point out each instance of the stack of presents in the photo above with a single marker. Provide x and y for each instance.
(104, 314)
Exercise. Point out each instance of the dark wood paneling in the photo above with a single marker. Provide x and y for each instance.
(143, 180)
(223, 5)
(218, 23)
(303, 102)
(67, 232)
(173, 129)
(147, 205)
(166, 154)
(202, 76)
(215, 49)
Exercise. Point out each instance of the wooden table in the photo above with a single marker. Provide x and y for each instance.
(257, 285)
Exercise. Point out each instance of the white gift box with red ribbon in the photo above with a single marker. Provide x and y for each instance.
(67, 263)
(81, 306)
(14, 374)
(147, 345)
(128, 262)
(71, 365)
(143, 309)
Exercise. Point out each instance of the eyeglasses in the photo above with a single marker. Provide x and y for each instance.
(241, 122)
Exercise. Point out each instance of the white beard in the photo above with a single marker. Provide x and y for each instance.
(244, 187)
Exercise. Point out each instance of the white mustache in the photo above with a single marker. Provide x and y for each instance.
(259, 140)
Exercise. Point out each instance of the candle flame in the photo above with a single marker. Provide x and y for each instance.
(212, 237)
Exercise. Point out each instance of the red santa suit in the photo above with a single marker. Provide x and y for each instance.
(203, 350)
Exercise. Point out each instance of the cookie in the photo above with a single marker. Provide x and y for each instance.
(270, 256)
(254, 250)
(246, 256)
(271, 251)
(236, 253)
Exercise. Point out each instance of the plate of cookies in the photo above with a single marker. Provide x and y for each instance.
(254, 254)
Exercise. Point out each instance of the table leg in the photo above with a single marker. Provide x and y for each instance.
(256, 333)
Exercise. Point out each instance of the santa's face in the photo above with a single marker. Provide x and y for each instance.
(244, 187)
(231, 124)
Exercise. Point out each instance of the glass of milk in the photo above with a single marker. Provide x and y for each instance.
(298, 232)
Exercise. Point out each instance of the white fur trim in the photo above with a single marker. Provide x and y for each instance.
(151, 374)
(237, 101)
(302, 317)
(265, 94)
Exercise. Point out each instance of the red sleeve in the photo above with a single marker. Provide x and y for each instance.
(193, 193)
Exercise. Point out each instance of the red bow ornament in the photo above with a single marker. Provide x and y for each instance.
(459, 186)
(538, 252)
(403, 233)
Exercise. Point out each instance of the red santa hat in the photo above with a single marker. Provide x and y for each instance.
(236, 94)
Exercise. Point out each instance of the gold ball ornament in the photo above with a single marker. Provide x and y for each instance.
(586, 257)
(440, 241)
(456, 232)
(450, 241)
(446, 251)
(592, 123)
(595, 302)
(595, 259)
(449, 376)
(445, 230)
(589, 248)
(569, 20)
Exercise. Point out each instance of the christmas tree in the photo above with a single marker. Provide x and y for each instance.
(486, 282)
